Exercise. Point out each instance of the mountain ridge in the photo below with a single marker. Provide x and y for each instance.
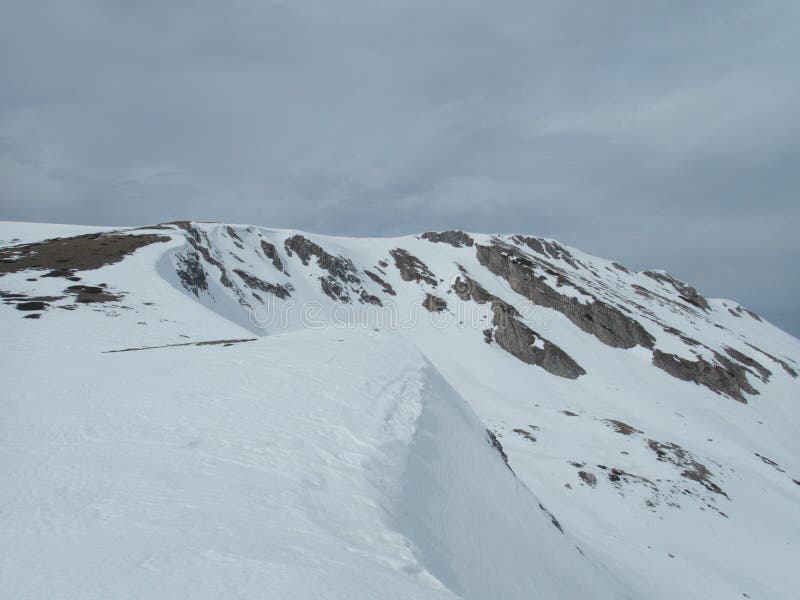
(656, 424)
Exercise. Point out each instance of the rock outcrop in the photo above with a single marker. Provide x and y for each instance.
(457, 239)
(271, 253)
(411, 268)
(606, 322)
(342, 277)
(686, 292)
(722, 376)
(514, 336)
(281, 291)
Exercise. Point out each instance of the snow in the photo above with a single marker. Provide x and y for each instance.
(264, 469)
(329, 460)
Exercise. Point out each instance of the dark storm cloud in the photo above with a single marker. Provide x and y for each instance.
(662, 134)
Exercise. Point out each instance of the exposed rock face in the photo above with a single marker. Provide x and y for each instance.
(411, 268)
(495, 443)
(610, 325)
(369, 298)
(434, 303)
(777, 360)
(519, 340)
(724, 377)
(739, 312)
(272, 254)
(199, 241)
(547, 248)
(516, 338)
(457, 239)
(191, 273)
(281, 291)
(620, 267)
(387, 288)
(661, 299)
(333, 289)
(341, 278)
(338, 266)
(235, 237)
(763, 372)
(686, 292)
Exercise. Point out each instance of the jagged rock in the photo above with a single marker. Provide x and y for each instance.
(610, 325)
(341, 270)
(281, 291)
(752, 314)
(547, 248)
(271, 253)
(724, 377)
(664, 300)
(338, 266)
(620, 267)
(553, 520)
(199, 241)
(368, 298)
(686, 292)
(387, 288)
(411, 268)
(776, 360)
(763, 372)
(689, 341)
(333, 289)
(516, 338)
(434, 303)
(522, 342)
(191, 273)
(495, 443)
(457, 239)
(235, 237)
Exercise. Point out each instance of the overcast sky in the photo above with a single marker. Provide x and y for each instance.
(663, 134)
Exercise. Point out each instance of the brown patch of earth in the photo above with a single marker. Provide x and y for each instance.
(62, 256)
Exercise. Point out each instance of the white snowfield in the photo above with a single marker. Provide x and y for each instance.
(339, 454)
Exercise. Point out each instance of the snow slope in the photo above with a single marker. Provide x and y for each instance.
(337, 454)
(260, 470)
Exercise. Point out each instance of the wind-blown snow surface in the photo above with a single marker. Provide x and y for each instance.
(332, 461)
(311, 465)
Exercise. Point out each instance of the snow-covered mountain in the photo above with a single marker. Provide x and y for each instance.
(205, 410)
